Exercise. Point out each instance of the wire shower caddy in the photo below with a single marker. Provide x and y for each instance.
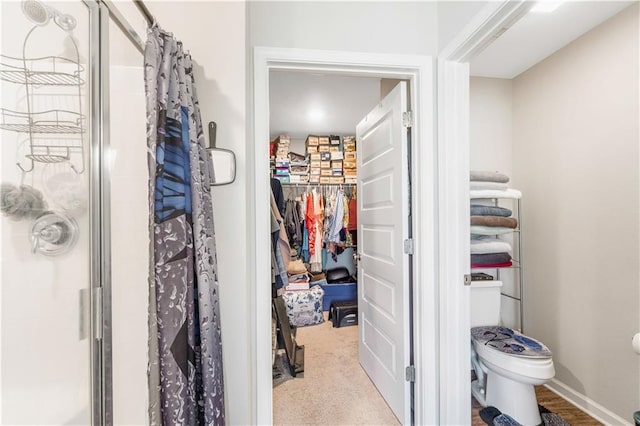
(54, 135)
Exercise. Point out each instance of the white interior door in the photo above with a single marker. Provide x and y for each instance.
(383, 269)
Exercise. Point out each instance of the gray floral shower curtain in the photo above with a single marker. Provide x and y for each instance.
(186, 384)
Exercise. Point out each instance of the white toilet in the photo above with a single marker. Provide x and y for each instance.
(508, 364)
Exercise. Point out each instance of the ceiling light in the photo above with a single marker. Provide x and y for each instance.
(316, 114)
(546, 6)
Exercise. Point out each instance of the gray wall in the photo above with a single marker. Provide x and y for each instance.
(576, 160)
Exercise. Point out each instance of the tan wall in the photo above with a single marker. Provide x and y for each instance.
(576, 159)
(491, 124)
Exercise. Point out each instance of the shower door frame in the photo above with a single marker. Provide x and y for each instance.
(100, 217)
(101, 12)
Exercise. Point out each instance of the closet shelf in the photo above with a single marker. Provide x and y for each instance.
(45, 71)
(45, 122)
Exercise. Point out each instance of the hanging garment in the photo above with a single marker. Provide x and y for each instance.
(353, 213)
(281, 277)
(292, 224)
(318, 213)
(283, 241)
(186, 385)
(276, 188)
(310, 221)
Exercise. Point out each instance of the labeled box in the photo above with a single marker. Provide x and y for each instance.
(325, 172)
(323, 140)
(325, 164)
(312, 140)
(325, 179)
(324, 148)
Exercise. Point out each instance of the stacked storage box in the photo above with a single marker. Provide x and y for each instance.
(298, 168)
(313, 153)
(349, 162)
(324, 149)
(336, 160)
(281, 171)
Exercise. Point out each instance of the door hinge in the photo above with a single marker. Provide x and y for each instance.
(96, 313)
(410, 374)
(408, 246)
(467, 279)
(407, 119)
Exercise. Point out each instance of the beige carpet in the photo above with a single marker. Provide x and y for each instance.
(335, 390)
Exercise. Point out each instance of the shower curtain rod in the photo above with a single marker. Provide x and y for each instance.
(125, 26)
(145, 12)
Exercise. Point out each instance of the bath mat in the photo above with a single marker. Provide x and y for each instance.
(492, 416)
(551, 419)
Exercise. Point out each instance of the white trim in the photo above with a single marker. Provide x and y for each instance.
(453, 248)
(453, 203)
(419, 70)
(586, 404)
(492, 20)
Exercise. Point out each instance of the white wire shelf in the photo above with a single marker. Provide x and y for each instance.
(45, 71)
(45, 122)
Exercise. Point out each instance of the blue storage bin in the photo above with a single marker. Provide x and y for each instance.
(338, 293)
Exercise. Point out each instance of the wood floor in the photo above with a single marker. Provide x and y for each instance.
(551, 402)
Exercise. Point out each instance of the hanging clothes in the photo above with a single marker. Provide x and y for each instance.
(185, 380)
(283, 248)
(318, 213)
(276, 189)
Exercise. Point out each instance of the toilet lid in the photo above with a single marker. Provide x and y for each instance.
(509, 341)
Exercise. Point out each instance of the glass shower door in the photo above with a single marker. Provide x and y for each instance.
(45, 227)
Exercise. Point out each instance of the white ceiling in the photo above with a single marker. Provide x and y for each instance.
(302, 103)
(538, 35)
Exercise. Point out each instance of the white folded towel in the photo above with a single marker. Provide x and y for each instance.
(488, 185)
(490, 230)
(492, 193)
(489, 245)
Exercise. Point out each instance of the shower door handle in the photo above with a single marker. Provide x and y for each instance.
(83, 313)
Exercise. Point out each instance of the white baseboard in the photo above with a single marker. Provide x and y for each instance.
(587, 405)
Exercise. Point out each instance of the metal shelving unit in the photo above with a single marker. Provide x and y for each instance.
(516, 262)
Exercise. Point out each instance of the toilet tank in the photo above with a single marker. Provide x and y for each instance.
(485, 303)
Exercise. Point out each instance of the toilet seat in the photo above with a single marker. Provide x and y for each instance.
(508, 341)
(536, 370)
(536, 366)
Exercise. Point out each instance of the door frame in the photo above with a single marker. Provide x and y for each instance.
(420, 72)
(453, 200)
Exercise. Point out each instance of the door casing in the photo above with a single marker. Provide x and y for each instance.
(419, 70)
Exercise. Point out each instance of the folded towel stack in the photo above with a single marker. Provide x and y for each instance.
(488, 221)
